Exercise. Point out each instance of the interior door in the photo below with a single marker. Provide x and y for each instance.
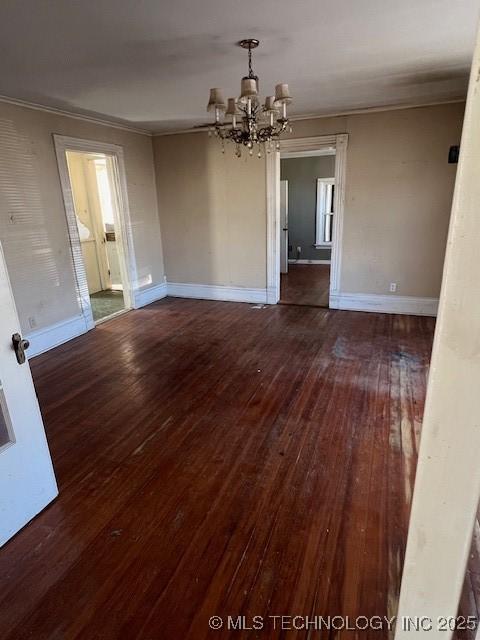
(98, 223)
(27, 480)
(283, 226)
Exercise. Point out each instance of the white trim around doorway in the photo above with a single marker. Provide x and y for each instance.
(290, 148)
(122, 214)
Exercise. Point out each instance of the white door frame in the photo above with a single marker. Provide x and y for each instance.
(283, 226)
(122, 222)
(305, 146)
(447, 481)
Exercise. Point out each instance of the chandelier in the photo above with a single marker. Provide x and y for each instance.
(250, 122)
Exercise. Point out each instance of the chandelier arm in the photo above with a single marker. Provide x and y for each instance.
(265, 134)
(282, 126)
(250, 133)
(221, 132)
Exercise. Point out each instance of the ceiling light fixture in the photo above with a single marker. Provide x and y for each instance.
(250, 122)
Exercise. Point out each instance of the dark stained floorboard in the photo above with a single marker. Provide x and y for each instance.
(306, 284)
(219, 459)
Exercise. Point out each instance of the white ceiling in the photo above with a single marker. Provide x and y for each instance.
(151, 62)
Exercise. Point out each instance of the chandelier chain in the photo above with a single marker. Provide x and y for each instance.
(250, 66)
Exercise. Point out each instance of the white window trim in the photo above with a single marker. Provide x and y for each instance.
(321, 213)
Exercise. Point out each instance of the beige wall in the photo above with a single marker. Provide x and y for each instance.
(398, 198)
(213, 207)
(399, 190)
(212, 212)
(33, 227)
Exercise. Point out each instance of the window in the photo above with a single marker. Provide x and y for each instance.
(325, 211)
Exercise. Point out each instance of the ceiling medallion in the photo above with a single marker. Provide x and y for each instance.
(250, 122)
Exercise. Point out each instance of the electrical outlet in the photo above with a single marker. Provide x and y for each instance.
(393, 287)
(32, 322)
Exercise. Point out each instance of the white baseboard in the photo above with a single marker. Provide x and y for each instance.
(216, 292)
(293, 261)
(56, 334)
(150, 294)
(384, 303)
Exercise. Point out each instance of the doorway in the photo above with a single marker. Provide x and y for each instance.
(94, 202)
(327, 238)
(307, 209)
(94, 189)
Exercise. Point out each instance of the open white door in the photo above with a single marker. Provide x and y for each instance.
(447, 481)
(283, 226)
(27, 481)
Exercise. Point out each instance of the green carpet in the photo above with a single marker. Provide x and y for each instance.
(104, 303)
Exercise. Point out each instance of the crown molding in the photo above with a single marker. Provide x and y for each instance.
(76, 116)
(125, 127)
(335, 114)
(387, 107)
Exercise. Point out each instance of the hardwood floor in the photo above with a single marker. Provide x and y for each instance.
(306, 284)
(219, 459)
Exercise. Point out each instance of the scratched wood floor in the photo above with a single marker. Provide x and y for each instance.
(306, 284)
(219, 459)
